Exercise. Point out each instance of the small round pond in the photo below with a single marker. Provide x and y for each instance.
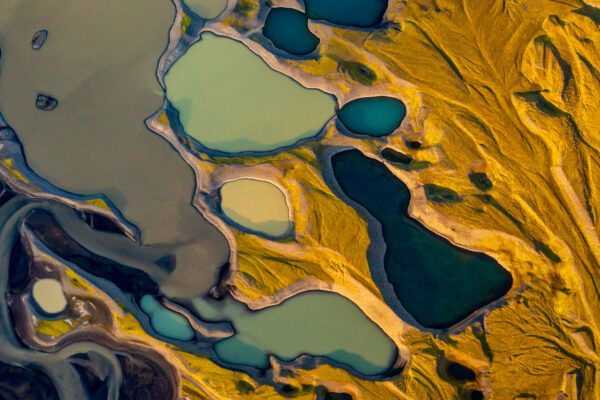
(257, 205)
(373, 116)
(49, 296)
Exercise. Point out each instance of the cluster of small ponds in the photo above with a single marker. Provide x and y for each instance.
(230, 102)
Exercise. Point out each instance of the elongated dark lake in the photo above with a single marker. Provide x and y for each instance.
(438, 283)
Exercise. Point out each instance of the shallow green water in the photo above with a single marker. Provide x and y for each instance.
(288, 29)
(166, 322)
(230, 100)
(438, 283)
(257, 205)
(373, 116)
(316, 323)
(207, 9)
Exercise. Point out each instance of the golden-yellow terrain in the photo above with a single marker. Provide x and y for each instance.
(505, 87)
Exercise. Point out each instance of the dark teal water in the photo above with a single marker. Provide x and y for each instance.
(373, 116)
(358, 13)
(288, 30)
(438, 283)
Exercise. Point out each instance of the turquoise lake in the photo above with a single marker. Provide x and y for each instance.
(358, 13)
(166, 322)
(373, 116)
(288, 29)
(316, 323)
(229, 99)
(438, 283)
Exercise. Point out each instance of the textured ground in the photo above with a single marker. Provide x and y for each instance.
(504, 87)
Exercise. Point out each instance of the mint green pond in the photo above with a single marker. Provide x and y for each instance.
(166, 322)
(231, 101)
(316, 323)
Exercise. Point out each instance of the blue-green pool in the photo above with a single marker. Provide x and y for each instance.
(166, 322)
(438, 283)
(358, 13)
(373, 116)
(288, 29)
(316, 323)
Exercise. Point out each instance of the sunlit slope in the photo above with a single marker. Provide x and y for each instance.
(504, 88)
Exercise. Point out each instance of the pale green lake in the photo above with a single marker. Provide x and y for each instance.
(207, 9)
(231, 101)
(257, 205)
(316, 323)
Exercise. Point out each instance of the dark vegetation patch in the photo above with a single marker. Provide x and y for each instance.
(358, 71)
(244, 387)
(440, 194)
(544, 249)
(536, 98)
(337, 396)
(405, 161)
(481, 181)
(414, 144)
(460, 372)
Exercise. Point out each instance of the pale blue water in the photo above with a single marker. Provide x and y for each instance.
(166, 322)
(288, 30)
(373, 116)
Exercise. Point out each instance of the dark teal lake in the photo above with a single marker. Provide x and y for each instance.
(358, 13)
(438, 283)
(288, 30)
(373, 116)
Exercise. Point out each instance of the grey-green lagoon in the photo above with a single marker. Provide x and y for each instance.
(316, 323)
(100, 62)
